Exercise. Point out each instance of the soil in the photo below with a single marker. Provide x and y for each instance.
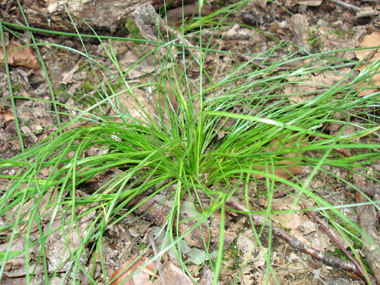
(314, 26)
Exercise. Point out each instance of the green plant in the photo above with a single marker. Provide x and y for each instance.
(315, 41)
(133, 29)
(176, 150)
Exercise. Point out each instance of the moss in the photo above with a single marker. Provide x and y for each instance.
(87, 87)
(84, 66)
(233, 253)
(337, 32)
(221, 3)
(338, 252)
(315, 41)
(342, 33)
(141, 246)
(16, 87)
(80, 96)
(83, 94)
(134, 31)
(62, 94)
(349, 228)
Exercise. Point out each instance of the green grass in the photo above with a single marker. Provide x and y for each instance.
(179, 151)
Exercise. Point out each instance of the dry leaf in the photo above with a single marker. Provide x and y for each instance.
(310, 3)
(7, 115)
(14, 268)
(250, 252)
(19, 56)
(127, 270)
(172, 274)
(306, 87)
(67, 77)
(374, 84)
(285, 173)
(59, 246)
(283, 170)
(299, 26)
(290, 221)
(262, 3)
(143, 104)
(372, 40)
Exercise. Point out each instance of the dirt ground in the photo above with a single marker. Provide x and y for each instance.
(315, 26)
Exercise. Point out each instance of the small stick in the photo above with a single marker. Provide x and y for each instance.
(346, 5)
(340, 150)
(258, 220)
(158, 263)
(368, 224)
(332, 237)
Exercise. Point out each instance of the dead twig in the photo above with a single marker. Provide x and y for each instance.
(158, 263)
(340, 150)
(261, 66)
(148, 21)
(295, 243)
(346, 5)
(285, 67)
(364, 275)
(367, 222)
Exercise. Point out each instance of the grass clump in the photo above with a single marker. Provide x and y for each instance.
(204, 144)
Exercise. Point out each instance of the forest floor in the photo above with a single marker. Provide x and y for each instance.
(302, 27)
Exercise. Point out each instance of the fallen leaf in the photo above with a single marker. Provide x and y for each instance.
(371, 55)
(138, 105)
(310, 3)
(172, 274)
(262, 3)
(372, 40)
(159, 208)
(18, 55)
(127, 271)
(286, 172)
(371, 86)
(15, 263)
(250, 251)
(287, 168)
(290, 221)
(59, 246)
(67, 77)
(306, 87)
(145, 105)
(299, 26)
(7, 115)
